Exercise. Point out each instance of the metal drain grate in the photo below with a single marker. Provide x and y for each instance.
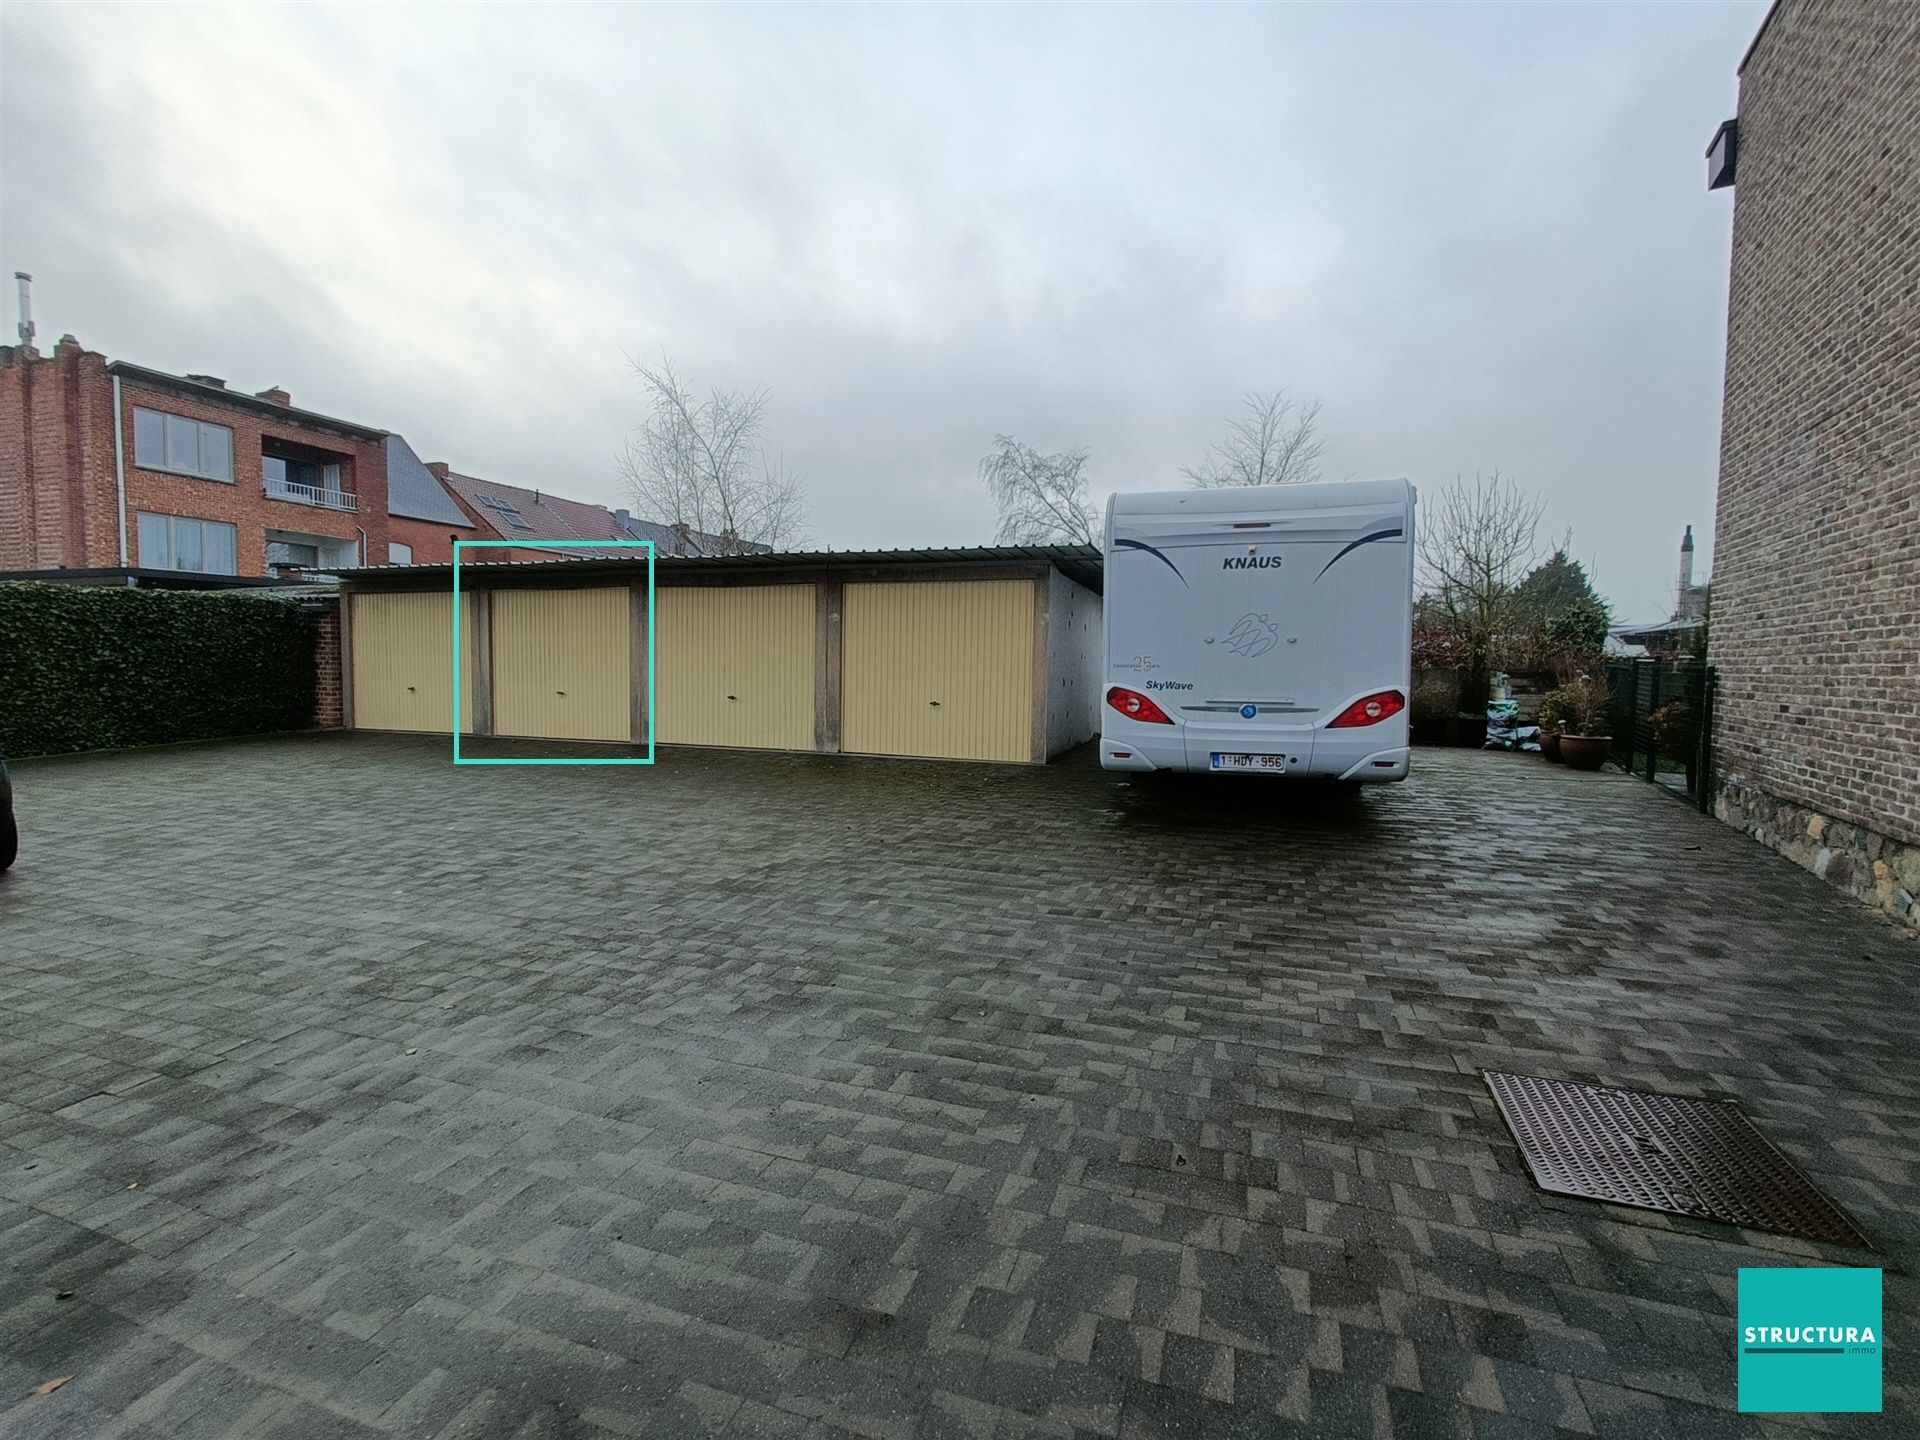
(1662, 1152)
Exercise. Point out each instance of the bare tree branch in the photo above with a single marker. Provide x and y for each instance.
(1477, 542)
(1275, 441)
(1042, 498)
(702, 464)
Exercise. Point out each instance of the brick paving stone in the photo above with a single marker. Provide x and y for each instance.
(785, 1096)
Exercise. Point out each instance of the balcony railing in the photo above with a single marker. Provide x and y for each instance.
(311, 495)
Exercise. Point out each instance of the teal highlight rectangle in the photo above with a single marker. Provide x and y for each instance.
(1785, 1364)
(460, 759)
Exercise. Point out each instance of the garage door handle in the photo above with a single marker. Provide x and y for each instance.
(933, 702)
(409, 687)
(733, 697)
(559, 692)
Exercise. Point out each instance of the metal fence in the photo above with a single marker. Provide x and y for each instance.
(1662, 724)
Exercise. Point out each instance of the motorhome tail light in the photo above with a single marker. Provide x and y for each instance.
(1135, 706)
(1370, 710)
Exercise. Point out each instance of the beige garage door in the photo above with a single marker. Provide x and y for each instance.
(403, 662)
(561, 663)
(940, 668)
(735, 666)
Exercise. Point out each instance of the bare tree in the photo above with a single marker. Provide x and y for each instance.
(1042, 498)
(1275, 441)
(703, 464)
(1477, 543)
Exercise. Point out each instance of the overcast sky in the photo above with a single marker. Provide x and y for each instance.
(1479, 235)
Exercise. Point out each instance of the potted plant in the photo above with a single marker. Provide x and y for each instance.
(1554, 710)
(1584, 741)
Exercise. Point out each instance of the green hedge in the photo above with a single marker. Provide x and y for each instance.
(84, 668)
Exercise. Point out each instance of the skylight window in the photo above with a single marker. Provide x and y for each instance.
(506, 510)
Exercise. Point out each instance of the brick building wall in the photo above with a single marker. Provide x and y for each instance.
(328, 712)
(1816, 584)
(432, 540)
(56, 429)
(59, 497)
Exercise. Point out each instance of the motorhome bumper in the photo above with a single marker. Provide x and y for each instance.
(1124, 755)
(1381, 765)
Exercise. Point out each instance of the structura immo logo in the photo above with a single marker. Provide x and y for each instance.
(1809, 1340)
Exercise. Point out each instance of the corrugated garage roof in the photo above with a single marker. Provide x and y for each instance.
(1077, 562)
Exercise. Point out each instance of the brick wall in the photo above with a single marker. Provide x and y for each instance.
(56, 430)
(1816, 579)
(432, 540)
(327, 710)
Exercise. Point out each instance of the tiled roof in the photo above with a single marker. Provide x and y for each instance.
(530, 516)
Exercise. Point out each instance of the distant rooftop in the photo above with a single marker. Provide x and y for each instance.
(531, 516)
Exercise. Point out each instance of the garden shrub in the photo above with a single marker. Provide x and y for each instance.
(87, 668)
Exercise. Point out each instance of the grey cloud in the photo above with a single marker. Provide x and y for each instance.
(1478, 234)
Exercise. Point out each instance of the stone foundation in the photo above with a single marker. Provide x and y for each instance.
(1869, 866)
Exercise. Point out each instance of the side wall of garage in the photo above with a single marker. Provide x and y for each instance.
(1076, 663)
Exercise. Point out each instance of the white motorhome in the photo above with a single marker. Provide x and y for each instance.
(1260, 630)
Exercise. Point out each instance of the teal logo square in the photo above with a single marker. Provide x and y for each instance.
(1809, 1340)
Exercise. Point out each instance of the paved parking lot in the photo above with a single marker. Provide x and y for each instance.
(344, 1093)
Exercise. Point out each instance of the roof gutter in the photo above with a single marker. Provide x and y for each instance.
(239, 399)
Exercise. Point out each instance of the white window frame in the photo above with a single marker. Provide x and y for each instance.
(169, 527)
(179, 435)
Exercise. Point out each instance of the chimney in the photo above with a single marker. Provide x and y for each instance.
(680, 537)
(438, 469)
(26, 308)
(274, 395)
(1686, 574)
(536, 497)
(623, 518)
(214, 380)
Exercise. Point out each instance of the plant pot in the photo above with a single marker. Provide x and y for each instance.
(1550, 744)
(1585, 752)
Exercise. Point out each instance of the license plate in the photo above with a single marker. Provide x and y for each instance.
(1271, 764)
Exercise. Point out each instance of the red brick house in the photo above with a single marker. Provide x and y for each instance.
(107, 464)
